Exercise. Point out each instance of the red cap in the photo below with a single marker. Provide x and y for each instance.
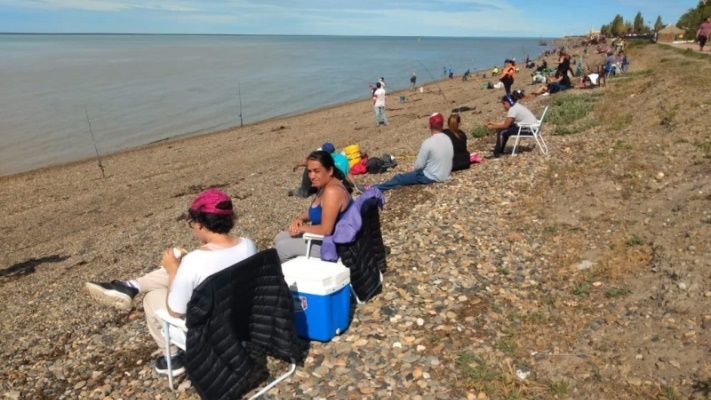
(207, 201)
(436, 120)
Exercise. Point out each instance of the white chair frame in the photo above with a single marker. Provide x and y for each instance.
(532, 131)
(310, 238)
(167, 320)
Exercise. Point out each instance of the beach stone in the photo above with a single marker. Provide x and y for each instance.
(634, 381)
(584, 265)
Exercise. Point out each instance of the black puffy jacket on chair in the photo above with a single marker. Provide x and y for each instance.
(365, 256)
(247, 302)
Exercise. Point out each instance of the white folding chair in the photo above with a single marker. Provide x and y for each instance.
(528, 131)
(170, 324)
(167, 321)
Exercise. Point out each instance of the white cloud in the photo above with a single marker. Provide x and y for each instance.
(97, 5)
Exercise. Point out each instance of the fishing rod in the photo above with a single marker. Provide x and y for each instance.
(434, 80)
(239, 93)
(96, 149)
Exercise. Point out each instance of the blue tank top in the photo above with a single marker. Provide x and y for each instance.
(315, 212)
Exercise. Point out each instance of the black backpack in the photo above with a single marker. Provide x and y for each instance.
(375, 165)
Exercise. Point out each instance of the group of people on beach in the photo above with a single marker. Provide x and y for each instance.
(211, 215)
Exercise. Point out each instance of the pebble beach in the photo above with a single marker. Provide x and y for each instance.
(471, 260)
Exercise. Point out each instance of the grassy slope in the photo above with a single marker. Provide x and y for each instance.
(631, 192)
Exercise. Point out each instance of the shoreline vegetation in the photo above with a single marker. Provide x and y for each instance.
(580, 275)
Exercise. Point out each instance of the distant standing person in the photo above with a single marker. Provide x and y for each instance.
(508, 75)
(451, 72)
(703, 33)
(564, 63)
(379, 104)
(413, 81)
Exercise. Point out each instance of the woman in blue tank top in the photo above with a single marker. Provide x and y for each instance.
(333, 197)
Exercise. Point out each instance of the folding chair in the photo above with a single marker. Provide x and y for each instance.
(247, 303)
(532, 131)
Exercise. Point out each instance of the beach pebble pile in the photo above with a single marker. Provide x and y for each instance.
(447, 245)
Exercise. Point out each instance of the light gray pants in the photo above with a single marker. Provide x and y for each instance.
(289, 247)
(155, 286)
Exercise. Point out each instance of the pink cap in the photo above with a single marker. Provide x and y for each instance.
(208, 200)
(436, 120)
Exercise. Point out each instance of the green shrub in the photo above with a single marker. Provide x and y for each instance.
(480, 132)
(635, 240)
(582, 290)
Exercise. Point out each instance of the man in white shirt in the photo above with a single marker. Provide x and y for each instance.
(379, 104)
(515, 114)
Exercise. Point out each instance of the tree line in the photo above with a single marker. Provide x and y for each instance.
(690, 22)
(620, 27)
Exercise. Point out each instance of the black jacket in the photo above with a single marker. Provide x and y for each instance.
(460, 160)
(247, 302)
(366, 255)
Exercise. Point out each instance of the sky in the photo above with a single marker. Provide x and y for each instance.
(497, 18)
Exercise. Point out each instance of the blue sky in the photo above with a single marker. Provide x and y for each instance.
(532, 18)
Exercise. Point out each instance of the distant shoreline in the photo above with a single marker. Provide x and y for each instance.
(262, 34)
(211, 116)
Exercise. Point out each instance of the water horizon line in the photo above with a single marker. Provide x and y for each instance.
(268, 34)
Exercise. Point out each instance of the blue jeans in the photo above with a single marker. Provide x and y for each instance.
(380, 116)
(408, 178)
(555, 87)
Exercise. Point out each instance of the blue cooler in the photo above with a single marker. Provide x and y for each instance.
(322, 297)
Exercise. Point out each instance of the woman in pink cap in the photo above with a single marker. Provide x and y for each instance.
(211, 217)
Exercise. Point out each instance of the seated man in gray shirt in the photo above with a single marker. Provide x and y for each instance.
(516, 114)
(433, 163)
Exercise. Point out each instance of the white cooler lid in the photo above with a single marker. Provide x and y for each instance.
(314, 276)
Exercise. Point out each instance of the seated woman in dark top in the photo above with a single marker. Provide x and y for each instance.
(333, 197)
(460, 160)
